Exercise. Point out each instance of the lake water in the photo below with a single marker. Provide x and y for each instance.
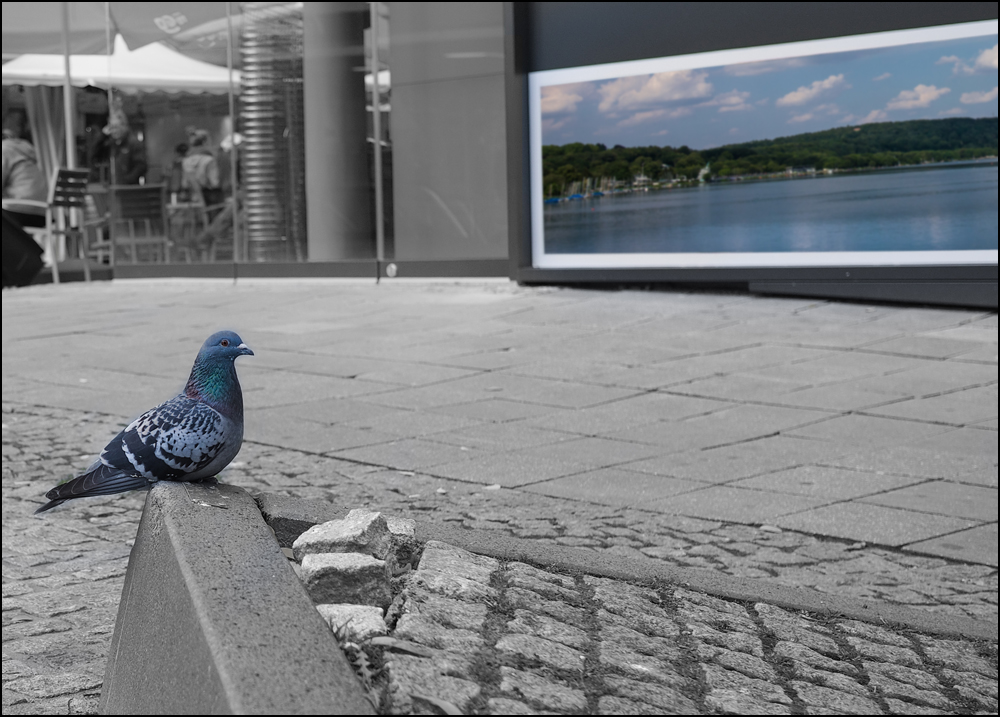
(946, 207)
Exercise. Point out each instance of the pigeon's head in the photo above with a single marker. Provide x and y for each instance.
(224, 345)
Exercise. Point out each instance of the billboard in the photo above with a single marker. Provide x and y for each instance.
(869, 150)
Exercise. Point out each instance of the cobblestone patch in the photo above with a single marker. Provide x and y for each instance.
(620, 648)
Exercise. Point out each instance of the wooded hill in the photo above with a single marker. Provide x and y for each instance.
(883, 144)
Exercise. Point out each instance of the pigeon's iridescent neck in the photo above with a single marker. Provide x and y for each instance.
(216, 383)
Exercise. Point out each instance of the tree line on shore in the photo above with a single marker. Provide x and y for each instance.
(884, 144)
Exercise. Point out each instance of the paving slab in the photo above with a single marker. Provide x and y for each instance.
(741, 459)
(736, 505)
(873, 523)
(932, 378)
(868, 431)
(834, 484)
(733, 425)
(940, 497)
(958, 408)
(977, 544)
(637, 410)
(497, 410)
(507, 469)
(929, 346)
(966, 455)
(406, 454)
(612, 486)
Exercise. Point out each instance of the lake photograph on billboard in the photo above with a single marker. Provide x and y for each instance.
(874, 150)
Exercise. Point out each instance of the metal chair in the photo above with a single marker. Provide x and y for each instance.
(66, 194)
(139, 221)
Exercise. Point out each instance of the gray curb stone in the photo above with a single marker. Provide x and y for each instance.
(213, 620)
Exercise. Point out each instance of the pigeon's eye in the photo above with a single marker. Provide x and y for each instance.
(224, 342)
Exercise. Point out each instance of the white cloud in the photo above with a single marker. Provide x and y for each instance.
(629, 93)
(952, 112)
(804, 94)
(642, 117)
(557, 99)
(732, 101)
(824, 109)
(987, 59)
(874, 116)
(919, 96)
(678, 112)
(883, 76)
(975, 98)
(550, 125)
(650, 115)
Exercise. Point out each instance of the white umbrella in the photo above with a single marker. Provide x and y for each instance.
(151, 68)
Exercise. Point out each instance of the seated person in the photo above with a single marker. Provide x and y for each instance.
(201, 171)
(22, 177)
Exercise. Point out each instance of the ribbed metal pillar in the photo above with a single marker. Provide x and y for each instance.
(271, 116)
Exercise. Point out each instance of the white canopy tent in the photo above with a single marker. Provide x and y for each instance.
(151, 68)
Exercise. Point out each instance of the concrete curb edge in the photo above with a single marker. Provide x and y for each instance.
(214, 620)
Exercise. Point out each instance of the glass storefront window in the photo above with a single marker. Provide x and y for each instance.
(195, 132)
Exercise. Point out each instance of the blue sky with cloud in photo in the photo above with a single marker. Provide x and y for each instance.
(713, 106)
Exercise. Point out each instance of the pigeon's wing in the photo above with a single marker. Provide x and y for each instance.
(170, 442)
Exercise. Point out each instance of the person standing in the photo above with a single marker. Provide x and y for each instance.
(122, 147)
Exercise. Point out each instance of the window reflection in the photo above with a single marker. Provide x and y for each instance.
(223, 177)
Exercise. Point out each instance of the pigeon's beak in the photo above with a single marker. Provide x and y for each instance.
(245, 350)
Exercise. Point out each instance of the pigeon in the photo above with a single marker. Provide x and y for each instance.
(191, 437)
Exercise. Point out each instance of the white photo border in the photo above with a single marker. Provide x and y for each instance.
(646, 260)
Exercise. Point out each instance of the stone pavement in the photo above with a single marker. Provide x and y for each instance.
(509, 638)
(842, 446)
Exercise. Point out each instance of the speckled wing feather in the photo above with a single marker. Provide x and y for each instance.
(173, 440)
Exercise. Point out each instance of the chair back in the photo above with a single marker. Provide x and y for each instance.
(138, 202)
(69, 189)
(138, 221)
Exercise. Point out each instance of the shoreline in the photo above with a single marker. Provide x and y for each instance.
(806, 173)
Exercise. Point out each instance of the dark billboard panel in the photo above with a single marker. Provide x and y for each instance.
(870, 150)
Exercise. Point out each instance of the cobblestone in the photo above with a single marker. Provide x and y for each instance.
(544, 692)
(822, 700)
(656, 653)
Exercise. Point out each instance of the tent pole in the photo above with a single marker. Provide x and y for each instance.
(377, 131)
(68, 92)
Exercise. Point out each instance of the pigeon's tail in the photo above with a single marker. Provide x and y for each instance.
(100, 480)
